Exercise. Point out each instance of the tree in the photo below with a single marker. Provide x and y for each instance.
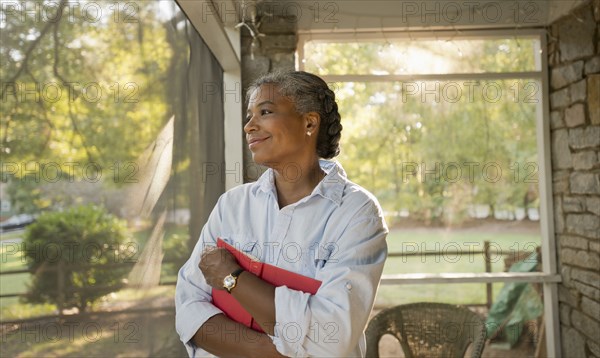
(70, 250)
(87, 94)
(81, 90)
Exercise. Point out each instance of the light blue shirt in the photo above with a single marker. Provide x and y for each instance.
(336, 235)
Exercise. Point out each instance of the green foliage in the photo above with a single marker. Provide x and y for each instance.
(24, 194)
(88, 95)
(176, 249)
(437, 148)
(79, 91)
(80, 242)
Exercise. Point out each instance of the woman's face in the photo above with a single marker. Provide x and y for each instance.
(275, 132)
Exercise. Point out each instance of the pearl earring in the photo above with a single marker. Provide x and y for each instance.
(309, 133)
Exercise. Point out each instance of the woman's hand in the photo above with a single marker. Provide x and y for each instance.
(215, 264)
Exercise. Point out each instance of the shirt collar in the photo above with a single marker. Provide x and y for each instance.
(330, 187)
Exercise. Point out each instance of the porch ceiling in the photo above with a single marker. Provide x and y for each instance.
(375, 15)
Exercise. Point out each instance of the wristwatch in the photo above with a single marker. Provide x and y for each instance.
(230, 280)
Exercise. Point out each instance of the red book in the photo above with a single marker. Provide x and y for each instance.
(269, 273)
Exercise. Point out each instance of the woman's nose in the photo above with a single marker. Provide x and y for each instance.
(250, 125)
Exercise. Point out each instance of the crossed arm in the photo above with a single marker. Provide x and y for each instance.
(226, 338)
(222, 336)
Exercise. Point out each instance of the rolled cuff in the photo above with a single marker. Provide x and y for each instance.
(292, 324)
(190, 317)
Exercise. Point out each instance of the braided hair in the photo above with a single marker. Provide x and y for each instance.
(309, 94)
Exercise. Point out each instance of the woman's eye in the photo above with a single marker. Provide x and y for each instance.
(265, 111)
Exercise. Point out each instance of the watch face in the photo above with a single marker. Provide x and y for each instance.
(229, 281)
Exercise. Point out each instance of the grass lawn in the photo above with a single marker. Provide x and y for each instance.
(420, 240)
(11, 258)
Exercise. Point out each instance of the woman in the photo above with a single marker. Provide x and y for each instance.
(302, 215)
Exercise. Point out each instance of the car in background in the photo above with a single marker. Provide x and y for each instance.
(16, 222)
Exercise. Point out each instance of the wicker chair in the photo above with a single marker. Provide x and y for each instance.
(428, 330)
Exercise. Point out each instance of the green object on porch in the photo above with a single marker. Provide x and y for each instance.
(516, 304)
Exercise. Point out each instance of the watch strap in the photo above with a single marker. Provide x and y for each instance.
(237, 272)
(235, 275)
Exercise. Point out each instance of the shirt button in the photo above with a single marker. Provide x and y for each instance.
(348, 286)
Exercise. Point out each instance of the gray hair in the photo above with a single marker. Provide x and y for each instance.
(309, 94)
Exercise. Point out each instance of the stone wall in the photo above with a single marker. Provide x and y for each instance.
(574, 60)
(276, 52)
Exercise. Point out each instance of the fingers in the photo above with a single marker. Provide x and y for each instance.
(216, 263)
(208, 248)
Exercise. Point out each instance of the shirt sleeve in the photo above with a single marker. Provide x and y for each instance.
(331, 323)
(193, 299)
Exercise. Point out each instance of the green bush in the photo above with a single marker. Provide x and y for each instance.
(176, 249)
(82, 243)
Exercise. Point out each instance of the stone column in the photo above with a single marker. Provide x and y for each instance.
(574, 60)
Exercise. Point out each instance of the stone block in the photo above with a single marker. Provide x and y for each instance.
(586, 225)
(594, 348)
(573, 241)
(245, 43)
(580, 258)
(570, 297)
(586, 290)
(561, 154)
(590, 278)
(578, 91)
(283, 61)
(565, 271)
(279, 43)
(560, 98)
(554, 59)
(565, 75)
(584, 183)
(560, 182)
(585, 160)
(592, 204)
(256, 67)
(577, 37)
(581, 138)
(559, 218)
(565, 314)
(573, 343)
(575, 115)
(556, 120)
(592, 65)
(595, 246)
(573, 204)
(592, 308)
(279, 24)
(585, 325)
(593, 98)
